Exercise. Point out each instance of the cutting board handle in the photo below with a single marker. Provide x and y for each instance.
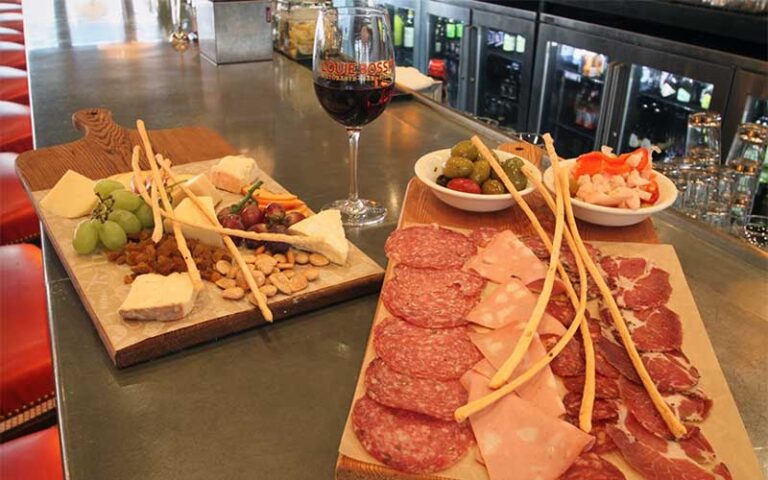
(99, 128)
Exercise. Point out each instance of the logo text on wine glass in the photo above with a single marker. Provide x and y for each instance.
(346, 71)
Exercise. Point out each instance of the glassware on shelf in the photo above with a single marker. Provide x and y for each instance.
(746, 158)
(702, 145)
(294, 27)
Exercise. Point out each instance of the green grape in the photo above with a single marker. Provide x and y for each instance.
(125, 200)
(112, 235)
(128, 221)
(86, 237)
(106, 186)
(144, 213)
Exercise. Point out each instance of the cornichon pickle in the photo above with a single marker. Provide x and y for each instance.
(481, 170)
(457, 167)
(492, 187)
(465, 149)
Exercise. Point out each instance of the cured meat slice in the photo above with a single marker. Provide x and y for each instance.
(655, 329)
(511, 303)
(603, 442)
(519, 441)
(561, 308)
(670, 373)
(441, 354)
(640, 405)
(636, 283)
(657, 458)
(570, 361)
(604, 368)
(590, 466)
(506, 256)
(690, 406)
(432, 298)
(605, 387)
(483, 235)
(604, 409)
(541, 390)
(436, 398)
(408, 441)
(617, 356)
(429, 247)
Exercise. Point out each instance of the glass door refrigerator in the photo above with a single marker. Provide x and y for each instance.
(608, 87)
(446, 48)
(404, 21)
(501, 65)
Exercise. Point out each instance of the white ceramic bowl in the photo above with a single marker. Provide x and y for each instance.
(612, 216)
(430, 166)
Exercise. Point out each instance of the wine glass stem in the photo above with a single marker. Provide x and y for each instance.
(354, 138)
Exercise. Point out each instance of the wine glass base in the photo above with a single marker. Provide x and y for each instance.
(357, 213)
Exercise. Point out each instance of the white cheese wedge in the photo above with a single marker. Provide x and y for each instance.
(234, 172)
(71, 197)
(159, 297)
(327, 227)
(188, 212)
(200, 185)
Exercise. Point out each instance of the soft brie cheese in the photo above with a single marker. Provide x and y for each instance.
(200, 185)
(159, 297)
(188, 212)
(71, 197)
(327, 228)
(233, 172)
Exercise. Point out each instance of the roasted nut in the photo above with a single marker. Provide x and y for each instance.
(289, 273)
(281, 282)
(289, 255)
(318, 260)
(225, 283)
(265, 263)
(301, 258)
(268, 290)
(285, 266)
(298, 282)
(311, 274)
(275, 270)
(260, 249)
(259, 277)
(234, 293)
(280, 258)
(223, 267)
(240, 279)
(248, 258)
(232, 273)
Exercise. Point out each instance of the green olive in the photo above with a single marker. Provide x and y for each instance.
(492, 187)
(481, 170)
(519, 180)
(457, 167)
(511, 167)
(465, 149)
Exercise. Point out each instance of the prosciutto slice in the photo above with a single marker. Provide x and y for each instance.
(656, 329)
(671, 373)
(636, 283)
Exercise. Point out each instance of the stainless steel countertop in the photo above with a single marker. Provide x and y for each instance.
(271, 402)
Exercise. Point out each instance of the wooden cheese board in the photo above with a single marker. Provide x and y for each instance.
(723, 428)
(105, 150)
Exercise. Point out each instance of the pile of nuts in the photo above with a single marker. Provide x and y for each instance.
(286, 273)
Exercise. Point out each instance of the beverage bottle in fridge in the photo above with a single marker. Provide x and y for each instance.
(514, 88)
(685, 90)
(509, 43)
(397, 28)
(439, 36)
(450, 30)
(520, 44)
(706, 96)
(459, 30)
(408, 32)
(669, 85)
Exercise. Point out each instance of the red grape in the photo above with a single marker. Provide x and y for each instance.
(251, 215)
(258, 228)
(274, 213)
(232, 220)
(278, 247)
(293, 217)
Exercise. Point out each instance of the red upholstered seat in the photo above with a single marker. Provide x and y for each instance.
(13, 55)
(18, 220)
(12, 20)
(36, 456)
(11, 35)
(13, 85)
(26, 374)
(15, 127)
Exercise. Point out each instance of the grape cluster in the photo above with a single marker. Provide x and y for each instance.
(118, 214)
(251, 217)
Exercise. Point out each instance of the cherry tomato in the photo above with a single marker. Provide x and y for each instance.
(464, 185)
(653, 189)
(589, 164)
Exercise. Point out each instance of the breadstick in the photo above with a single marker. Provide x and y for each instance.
(157, 185)
(531, 327)
(157, 231)
(260, 300)
(672, 422)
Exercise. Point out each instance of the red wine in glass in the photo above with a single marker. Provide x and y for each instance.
(353, 104)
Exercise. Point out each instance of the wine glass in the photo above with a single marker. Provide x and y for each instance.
(354, 74)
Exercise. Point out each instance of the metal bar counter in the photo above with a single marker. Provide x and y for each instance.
(271, 402)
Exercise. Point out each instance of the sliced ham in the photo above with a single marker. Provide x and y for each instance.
(541, 390)
(506, 256)
(518, 441)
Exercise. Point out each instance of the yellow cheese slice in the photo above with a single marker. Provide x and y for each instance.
(188, 212)
(71, 197)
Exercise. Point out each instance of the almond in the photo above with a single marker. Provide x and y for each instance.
(318, 260)
(234, 293)
(282, 283)
(222, 266)
(298, 282)
(225, 283)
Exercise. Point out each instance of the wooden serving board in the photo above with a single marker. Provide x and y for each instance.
(105, 150)
(724, 427)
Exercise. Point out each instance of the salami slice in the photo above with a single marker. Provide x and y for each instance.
(617, 357)
(407, 441)
(429, 247)
(436, 398)
(483, 235)
(604, 368)
(561, 308)
(441, 354)
(605, 387)
(570, 361)
(670, 373)
(603, 443)
(604, 409)
(432, 298)
(590, 466)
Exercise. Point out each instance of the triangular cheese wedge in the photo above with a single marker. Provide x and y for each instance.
(327, 228)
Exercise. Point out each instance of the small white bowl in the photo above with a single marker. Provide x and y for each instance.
(430, 166)
(613, 216)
